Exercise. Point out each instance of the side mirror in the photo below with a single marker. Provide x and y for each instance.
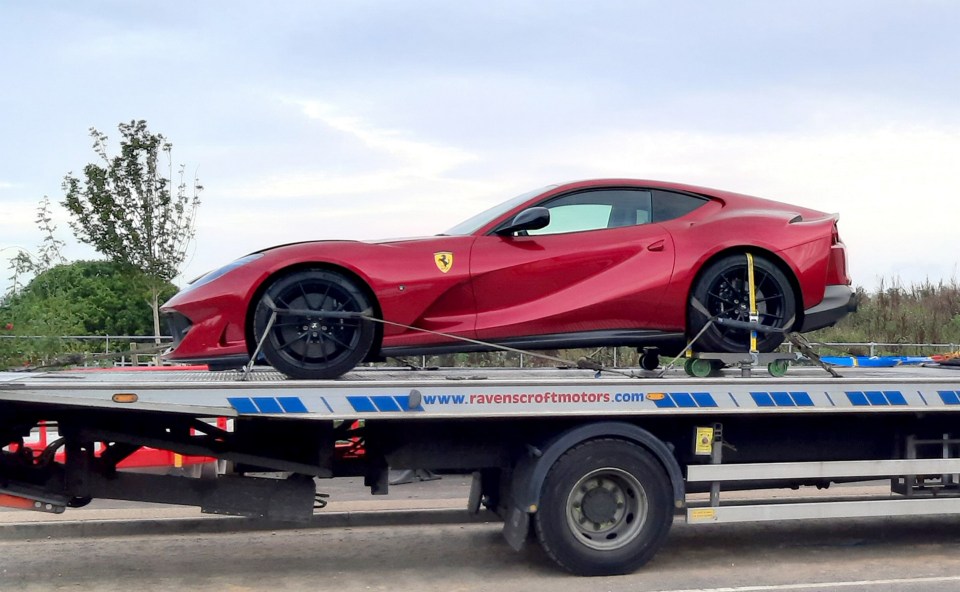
(528, 219)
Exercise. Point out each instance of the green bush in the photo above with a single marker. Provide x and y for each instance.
(80, 298)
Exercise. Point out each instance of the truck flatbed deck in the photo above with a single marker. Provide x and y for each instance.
(503, 392)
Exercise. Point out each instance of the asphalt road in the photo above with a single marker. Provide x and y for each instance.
(902, 554)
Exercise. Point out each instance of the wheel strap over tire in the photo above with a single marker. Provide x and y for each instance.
(754, 315)
(754, 318)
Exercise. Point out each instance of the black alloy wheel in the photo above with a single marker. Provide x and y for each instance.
(314, 336)
(723, 290)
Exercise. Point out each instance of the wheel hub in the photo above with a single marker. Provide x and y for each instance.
(314, 337)
(733, 301)
(600, 506)
(607, 508)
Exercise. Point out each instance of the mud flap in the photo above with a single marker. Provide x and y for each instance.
(516, 528)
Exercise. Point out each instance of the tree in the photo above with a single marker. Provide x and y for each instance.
(128, 210)
(50, 251)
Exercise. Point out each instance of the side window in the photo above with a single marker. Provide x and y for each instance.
(668, 205)
(596, 210)
(576, 217)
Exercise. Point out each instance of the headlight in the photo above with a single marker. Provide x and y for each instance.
(212, 275)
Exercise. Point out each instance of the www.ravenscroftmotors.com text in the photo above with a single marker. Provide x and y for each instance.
(534, 398)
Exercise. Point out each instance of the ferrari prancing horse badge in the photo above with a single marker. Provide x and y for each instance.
(444, 260)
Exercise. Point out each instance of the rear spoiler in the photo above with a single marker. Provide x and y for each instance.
(799, 218)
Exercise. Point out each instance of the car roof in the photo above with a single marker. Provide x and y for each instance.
(730, 198)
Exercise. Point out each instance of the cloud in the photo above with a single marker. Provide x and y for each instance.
(412, 156)
(389, 161)
(15, 223)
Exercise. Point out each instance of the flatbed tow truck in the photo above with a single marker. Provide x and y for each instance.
(594, 467)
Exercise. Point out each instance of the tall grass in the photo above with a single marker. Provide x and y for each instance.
(926, 312)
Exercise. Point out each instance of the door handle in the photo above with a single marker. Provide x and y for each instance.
(655, 246)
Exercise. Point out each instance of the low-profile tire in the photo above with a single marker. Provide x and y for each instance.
(722, 289)
(311, 346)
(605, 508)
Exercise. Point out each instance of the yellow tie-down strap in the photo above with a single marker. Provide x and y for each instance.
(754, 315)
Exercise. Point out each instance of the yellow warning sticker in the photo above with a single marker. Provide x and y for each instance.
(703, 441)
(703, 515)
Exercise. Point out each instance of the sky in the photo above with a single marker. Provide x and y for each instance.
(362, 120)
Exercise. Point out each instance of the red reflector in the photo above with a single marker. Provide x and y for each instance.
(15, 501)
(23, 503)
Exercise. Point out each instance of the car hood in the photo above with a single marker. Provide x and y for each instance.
(382, 241)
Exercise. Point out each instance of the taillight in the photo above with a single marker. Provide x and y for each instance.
(837, 261)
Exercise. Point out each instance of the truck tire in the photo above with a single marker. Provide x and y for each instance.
(605, 508)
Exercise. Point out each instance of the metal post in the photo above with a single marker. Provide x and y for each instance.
(909, 481)
(946, 479)
(716, 457)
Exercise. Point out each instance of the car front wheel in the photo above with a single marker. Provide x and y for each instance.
(318, 331)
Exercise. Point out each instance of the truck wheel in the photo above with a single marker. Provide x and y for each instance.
(605, 508)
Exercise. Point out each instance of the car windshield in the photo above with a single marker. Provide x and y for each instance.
(475, 223)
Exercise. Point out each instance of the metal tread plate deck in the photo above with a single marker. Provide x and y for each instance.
(464, 393)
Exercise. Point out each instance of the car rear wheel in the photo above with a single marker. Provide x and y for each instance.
(314, 335)
(722, 290)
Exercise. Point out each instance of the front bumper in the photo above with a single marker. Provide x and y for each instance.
(179, 326)
(838, 301)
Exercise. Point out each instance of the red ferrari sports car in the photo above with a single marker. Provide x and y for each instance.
(590, 263)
